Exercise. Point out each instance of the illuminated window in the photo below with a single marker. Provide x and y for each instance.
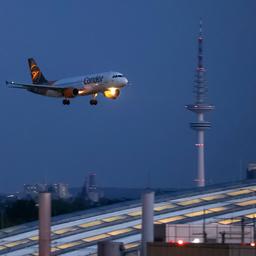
(210, 198)
(34, 238)
(131, 245)
(251, 216)
(2, 247)
(198, 213)
(171, 219)
(96, 238)
(114, 218)
(54, 249)
(189, 202)
(12, 244)
(90, 224)
(246, 203)
(253, 188)
(164, 207)
(217, 209)
(120, 231)
(69, 245)
(229, 221)
(135, 214)
(64, 230)
(138, 226)
(239, 192)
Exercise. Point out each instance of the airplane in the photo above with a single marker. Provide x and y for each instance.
(107, 83)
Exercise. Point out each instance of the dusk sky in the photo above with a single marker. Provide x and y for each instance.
(146, 130)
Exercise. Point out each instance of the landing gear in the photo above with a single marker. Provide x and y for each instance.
(66, 102)
(93, 102)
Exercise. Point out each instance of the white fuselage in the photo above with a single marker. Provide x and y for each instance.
(88, 84)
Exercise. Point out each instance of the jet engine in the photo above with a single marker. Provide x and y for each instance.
(112, 93)
(70, 92)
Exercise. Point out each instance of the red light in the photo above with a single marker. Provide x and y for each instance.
(180, 242)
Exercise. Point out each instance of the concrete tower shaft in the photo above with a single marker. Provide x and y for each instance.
(200, 107)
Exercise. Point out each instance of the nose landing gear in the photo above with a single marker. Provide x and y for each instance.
(66, 102)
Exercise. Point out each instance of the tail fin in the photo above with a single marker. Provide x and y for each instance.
(36, 74)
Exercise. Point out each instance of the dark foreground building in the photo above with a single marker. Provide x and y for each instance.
(166, 249)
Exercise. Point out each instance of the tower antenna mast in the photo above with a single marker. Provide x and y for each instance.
(200, 107)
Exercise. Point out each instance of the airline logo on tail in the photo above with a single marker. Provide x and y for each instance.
(36, 74)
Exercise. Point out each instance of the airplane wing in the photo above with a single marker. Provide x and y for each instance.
(28, 86)
(59, 89)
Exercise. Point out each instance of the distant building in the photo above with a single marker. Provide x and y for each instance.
(251, 171)
(90, 190)
(58, 190)
(32, 190)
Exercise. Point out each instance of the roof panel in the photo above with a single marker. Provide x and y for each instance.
(120, 231)
(190, 202)
(247, 202)
(171, 219)
(239, 192)
(164, 207)
(90, 224)
(68, 245)
(96, 238)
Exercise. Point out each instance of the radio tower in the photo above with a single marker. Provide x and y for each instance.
(200, 107)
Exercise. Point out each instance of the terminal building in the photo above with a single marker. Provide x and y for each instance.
(79, 233)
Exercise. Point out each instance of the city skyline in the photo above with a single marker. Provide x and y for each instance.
(145, 130)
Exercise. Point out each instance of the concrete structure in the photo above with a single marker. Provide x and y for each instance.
(44, 224)
(78, 234)
(210, 233)
(160, 232)
(147, 220)
(108, 248)
(159, 249)
(200, 107)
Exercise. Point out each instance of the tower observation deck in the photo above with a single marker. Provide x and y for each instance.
(200, 107)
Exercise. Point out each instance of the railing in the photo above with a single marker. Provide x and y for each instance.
(211, 233)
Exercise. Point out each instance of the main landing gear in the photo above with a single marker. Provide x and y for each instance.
(66, 102)
(93, 102)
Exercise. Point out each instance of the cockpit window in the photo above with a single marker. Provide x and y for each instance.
(114, 76)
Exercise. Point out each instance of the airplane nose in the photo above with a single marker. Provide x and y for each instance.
(125, 80)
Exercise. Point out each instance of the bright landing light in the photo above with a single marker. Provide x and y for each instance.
(112, 90)
(111, 93)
